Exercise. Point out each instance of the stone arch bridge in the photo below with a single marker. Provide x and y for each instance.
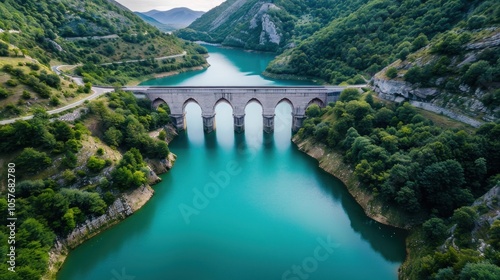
(177, 97)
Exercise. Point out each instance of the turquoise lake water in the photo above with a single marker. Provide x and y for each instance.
(241, 206)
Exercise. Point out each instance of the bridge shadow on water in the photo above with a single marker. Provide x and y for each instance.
(252, 142)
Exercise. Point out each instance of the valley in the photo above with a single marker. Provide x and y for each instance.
(407, 181)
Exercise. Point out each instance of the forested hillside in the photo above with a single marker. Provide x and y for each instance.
(421, 175)
(67, 173)
(459, 69)
(47, 30)
(337, 40)
(377, 34)
(266, 25)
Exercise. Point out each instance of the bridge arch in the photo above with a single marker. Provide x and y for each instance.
(285, 100)
(316, 101)
(157, 102)
(254, 99)
(223, 100)
(190, 100)
(207, 98)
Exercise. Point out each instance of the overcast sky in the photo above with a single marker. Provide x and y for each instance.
(163, 5)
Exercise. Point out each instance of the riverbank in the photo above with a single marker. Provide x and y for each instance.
(332, 162)
(139, 80)
(292, 77)
(127, 204)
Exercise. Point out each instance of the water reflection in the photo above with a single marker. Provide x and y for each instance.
(253, 140)
(193, 124)
(224, 125)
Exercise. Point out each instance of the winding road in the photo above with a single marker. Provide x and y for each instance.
(96, 91)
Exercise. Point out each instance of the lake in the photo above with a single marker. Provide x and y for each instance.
(241, 206)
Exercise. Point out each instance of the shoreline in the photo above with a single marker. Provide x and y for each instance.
(167, 74)
(292, 78)
(332, 162)
(125, 205)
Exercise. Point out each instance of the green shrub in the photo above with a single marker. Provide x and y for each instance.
(391, 73)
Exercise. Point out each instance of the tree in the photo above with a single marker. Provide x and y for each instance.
(4, 49)
(414, 75)
(419, 42)
(483, 271)
(113, 137)
(52, 206)
(391, 72)
(441, 183)
(349, 94)
(32, 160)
(95, 164)
(313, 111)
(494, 234)
(478, 73)
(465, 218)
(32, 230)
(476, 22)
(435, 230)
(383, 117)
(62, 131)
(162, 135)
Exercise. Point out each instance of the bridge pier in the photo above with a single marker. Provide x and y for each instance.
(178, 121)
(208, 123)
(239, 123)
(268, 123)
(297, 122)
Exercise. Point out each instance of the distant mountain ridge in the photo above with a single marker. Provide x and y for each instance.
(163, 27)
(175, 18)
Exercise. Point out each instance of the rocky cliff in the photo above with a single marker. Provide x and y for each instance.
(265, 25)
(332, 162)
(460, 85)
(124, 206)
(247, 24)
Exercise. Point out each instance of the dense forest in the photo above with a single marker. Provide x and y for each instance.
(50, 30)
(239, 23)
(61, 179)
(431, 174)
(381, 32)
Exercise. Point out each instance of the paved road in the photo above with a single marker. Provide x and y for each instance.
(156, 58)
(97, 91)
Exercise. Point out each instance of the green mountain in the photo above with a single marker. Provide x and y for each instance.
(377, 34)
(60, 31)
(350, 41)
(266, 25)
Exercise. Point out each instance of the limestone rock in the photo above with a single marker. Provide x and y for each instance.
(269, 32)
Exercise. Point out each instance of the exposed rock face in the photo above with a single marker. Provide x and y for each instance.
(492, 41)
(224, 16)
(161, 166)
(269, 32)
(436, 109)
(391, 89)
(458, 101)
(398, 91)
(123, 207)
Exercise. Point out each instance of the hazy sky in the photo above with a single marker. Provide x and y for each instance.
(163, 5)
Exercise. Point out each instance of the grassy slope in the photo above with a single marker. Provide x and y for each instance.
(67, 94)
